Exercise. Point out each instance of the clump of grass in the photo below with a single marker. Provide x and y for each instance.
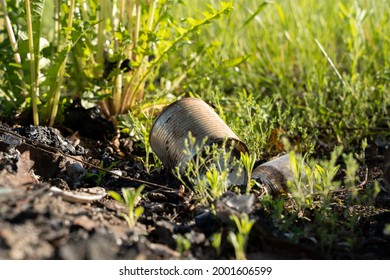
(315, 89)
(312, 208)
(207, 169)
(138, 128)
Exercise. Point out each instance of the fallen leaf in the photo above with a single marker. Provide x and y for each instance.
(23, 174)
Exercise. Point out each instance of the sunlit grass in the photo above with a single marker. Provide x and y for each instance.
(315, 69)
(304, 75)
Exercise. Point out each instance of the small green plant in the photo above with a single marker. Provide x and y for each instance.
(248, 161)
(217, 182)
(138, 129)
(207, 169)
(240, 238)
(101, 173)
(310, 183)
(107, 49)
(130, 199)
(37, 71)
(216, 240)
(313, 208)
(386, 230)
(183, 244)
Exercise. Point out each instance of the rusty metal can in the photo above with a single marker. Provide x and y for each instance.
(274, 175)
(192, 115)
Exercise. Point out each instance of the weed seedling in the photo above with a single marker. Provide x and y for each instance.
(183, 244)
(138, 129)
(248, 161)
(239, 239)
(216, 242)
(129, 199)
(210, 169)
(101, 173)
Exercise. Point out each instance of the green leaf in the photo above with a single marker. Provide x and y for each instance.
(235, 61)
(127, 197)
(52, 71)
(138, 212)
(294, 164)
(308, 171)
(281, 14)
(320, 170)
(259, 9)
(140, 189)
(16, 65)
(37, 8)
(116, 196)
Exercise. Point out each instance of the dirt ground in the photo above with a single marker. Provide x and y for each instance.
(54, 203)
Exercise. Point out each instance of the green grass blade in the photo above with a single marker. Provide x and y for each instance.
(255, 13)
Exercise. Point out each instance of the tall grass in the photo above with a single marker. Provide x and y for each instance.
(296, 67)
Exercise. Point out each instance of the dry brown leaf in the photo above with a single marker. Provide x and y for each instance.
(23, 174)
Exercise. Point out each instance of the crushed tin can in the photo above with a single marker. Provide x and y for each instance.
(274, 175)
(170, 131)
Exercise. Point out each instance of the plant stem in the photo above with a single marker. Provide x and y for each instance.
(121, 10)
(129, 88)
(61, 71)
(14, 46)
(134, 89)
(11, 33)
(117, 91)
(101, 38)
(117, 94)
(144, 63)
(152, 10)
(57, 25)
(130, 11)
(34, 78)
(84, 12)
(137, 27)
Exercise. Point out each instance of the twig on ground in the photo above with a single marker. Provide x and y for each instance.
(53, 151)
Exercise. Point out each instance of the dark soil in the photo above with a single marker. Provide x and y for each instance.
(37, 221)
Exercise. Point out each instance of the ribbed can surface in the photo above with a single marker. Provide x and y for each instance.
(171, 129)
